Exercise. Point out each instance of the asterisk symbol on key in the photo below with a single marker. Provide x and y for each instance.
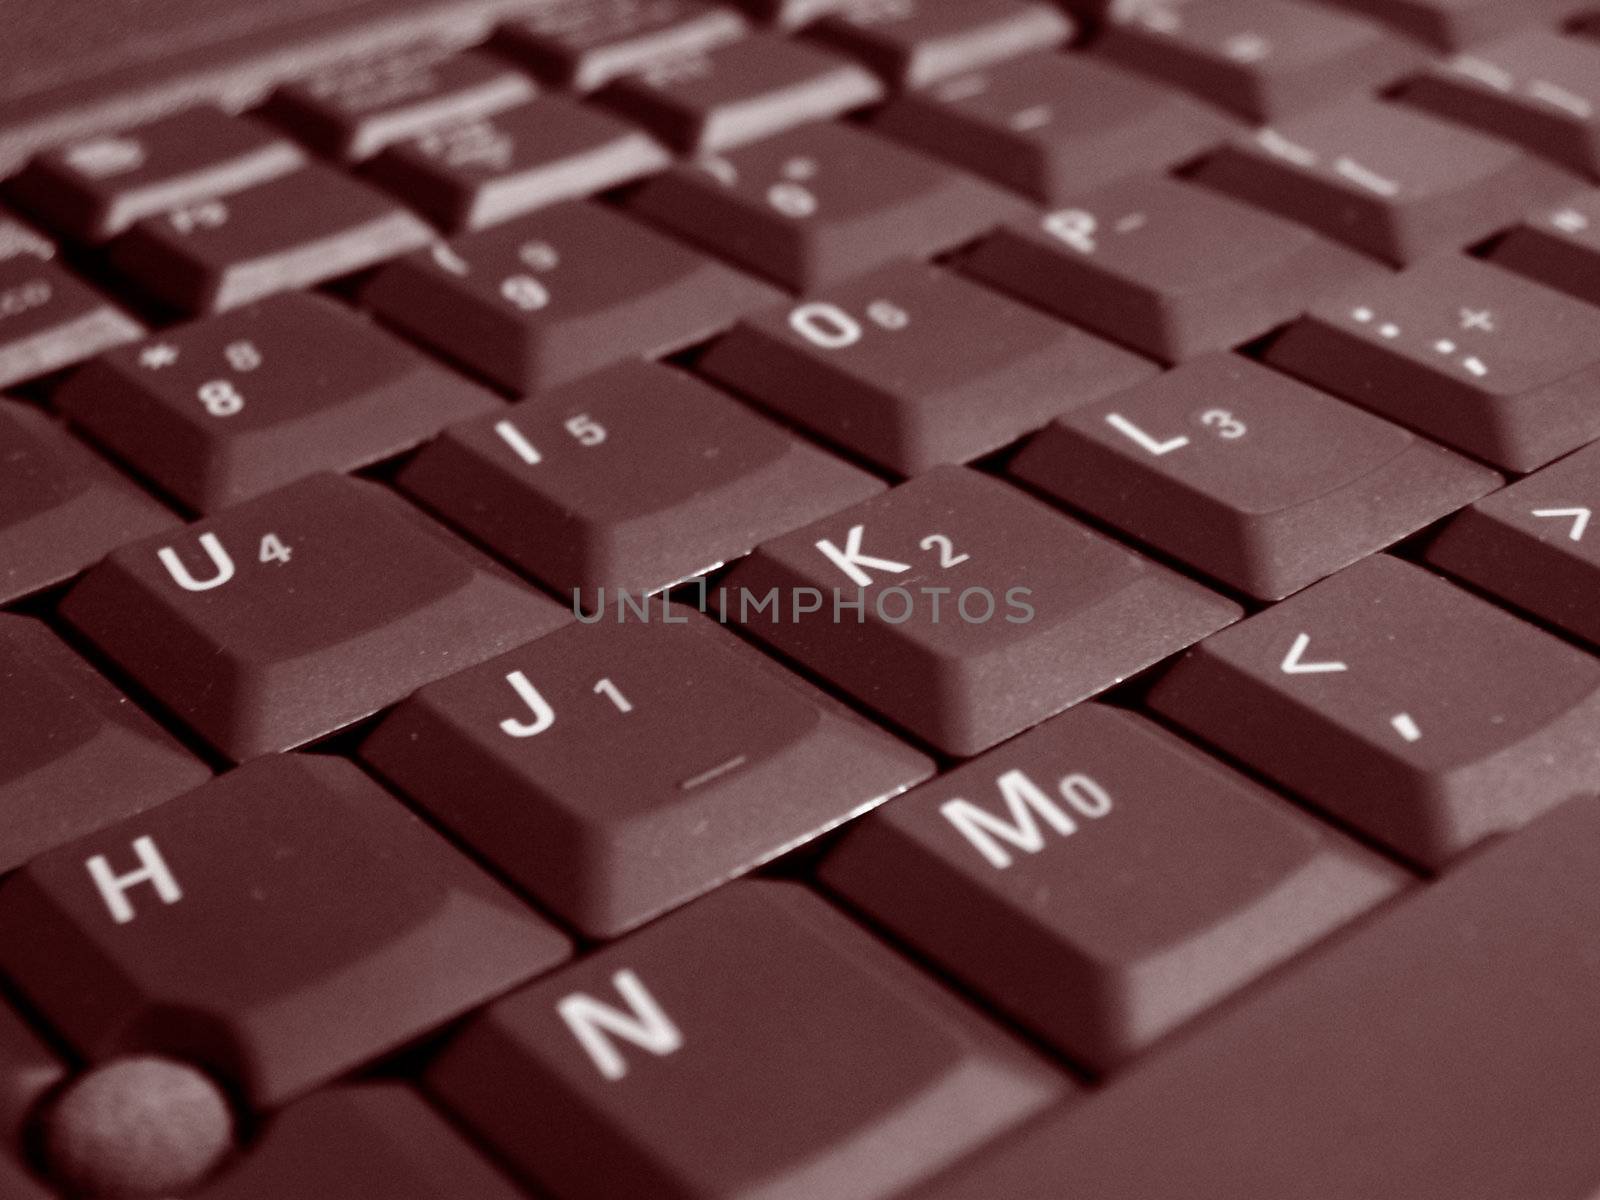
(160, 355)
(1473, 318)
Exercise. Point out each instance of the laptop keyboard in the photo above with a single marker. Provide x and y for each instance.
(805, 600)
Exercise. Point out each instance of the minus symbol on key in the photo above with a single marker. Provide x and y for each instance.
(694, 781)
(1406, 727)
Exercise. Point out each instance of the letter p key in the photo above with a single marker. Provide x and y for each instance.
(152, 869)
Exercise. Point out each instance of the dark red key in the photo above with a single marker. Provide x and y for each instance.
(1248, 475)
(49, 319)
(1165, 267)
(377, 1139)
(1101, 880)
(1531, 544)
(75, 756)
(235, 405)
(823, 203)
(300, 229)
(912, 43)
(61, 507)
(819, 1063)
(279, 926)
(479, 173)
(1301, 1092)
(1263, 59)
(635, 478)
(585, 44)
(28, 1071)
(355, 109)
(292, 615)
(551, 297)
(619, 769)
(1400, 704)
(94, 189)
(742, 91)
(911, 366)
(1455, 24)
(1390, 181)
(1470, 354)
(1538, 89)
(981, 611)
(1558, 247)
(1054, 125)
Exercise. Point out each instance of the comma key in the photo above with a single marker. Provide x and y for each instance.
(1101, 880)
(911, 365)
(571, 763)
(823, 203)
(981, 612)
(280, 926)
(553, 296)
(1165, 267)
(1388, 180)
(1248, 475)
(1423, 716)
(820, 1063)
(234, 405)
(294, 231)
(636, 477)
(1463, 351)
(287, 617)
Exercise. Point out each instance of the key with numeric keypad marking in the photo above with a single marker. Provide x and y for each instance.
(279, 926)
(821, 1064)
(1247, 474)
(1468, 353)
(981, 612)
(287, 617)
(574, 763)
(1101, 880)
(1419, 714)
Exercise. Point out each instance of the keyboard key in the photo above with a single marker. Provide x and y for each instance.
(295, 231)
(912, 43)
(1538, 89)
(1263, 59)
(1258, 480)
(278, 927)
(479, 173)
(1530, 544)
(1053, 125)
(583, 45)
(378, 1139)
(635, 478)
(823, 203)
(290, 616)
(49, 319)
(1558, 247)
(551, 297)
(1035, 612)
(355, 109)
(791, 14)
(61, 507)
(28, 1072)
(819, 1063)
(573, 763)
(911, 366)
(1165, 267)
(1456, 24)
(235, 405)
(94, 189)
(1399, 704)
(1101, 880)
(1388, 180)
(742, 91)
(1495, 957)
(75, 756)
(1469, 354)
